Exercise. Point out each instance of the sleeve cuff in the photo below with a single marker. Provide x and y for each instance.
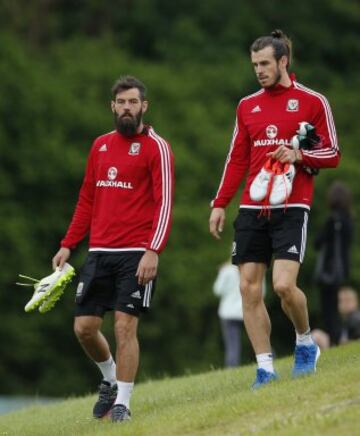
(64, 244)
(217, 203)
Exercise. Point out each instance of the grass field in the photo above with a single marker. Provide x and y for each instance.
(219, 403)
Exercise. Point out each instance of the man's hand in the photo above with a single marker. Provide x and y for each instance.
(284, 154)
(147, 268)
(61, 257)
(217, 221)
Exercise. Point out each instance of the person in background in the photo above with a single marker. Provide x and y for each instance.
(350, 314)
(332, 269)
(348, 306)
(227, 287)
(321, 338)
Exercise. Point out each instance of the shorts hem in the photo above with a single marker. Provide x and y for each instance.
(284, 256)
(135, 312)
(91, 311)
(237, 261)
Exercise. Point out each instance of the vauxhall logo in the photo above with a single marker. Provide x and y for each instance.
(112, 173)
(271, 132)
(112, 182)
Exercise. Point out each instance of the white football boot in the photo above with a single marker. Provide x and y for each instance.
(49, 289)
(282, 186)
(58, 289)
(260, 184)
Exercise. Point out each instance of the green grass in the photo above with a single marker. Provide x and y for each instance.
(219, 403)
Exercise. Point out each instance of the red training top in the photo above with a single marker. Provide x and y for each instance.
(127, 194)
(266, 120)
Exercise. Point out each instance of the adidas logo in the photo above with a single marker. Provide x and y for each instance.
(131, 306)
(103, 148)
(293, 250)
(256, 109)
(136, 294)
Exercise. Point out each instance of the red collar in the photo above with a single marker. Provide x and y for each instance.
(279, 89)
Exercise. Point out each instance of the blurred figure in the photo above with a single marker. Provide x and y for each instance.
(350, 314)
(227, 287)
(348, 307)
(321, 338)
(333, 262)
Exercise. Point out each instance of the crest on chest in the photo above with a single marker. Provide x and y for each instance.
(292, 105)
(134, 149)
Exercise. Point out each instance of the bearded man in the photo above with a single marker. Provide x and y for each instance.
(125, 203)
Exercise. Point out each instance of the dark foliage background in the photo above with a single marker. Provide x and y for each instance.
(58, 61)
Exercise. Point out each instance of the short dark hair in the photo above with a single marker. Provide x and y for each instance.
(128, 82)
(278, 41)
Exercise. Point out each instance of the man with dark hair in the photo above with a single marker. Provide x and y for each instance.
(125, 202)
(128, 82)
(275, 203)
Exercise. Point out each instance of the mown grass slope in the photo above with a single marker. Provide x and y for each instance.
(219, 403)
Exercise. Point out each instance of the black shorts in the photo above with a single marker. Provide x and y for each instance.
(107, 282)
(258, 237)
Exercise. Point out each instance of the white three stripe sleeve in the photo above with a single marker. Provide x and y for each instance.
(165, 210)
(333, 149)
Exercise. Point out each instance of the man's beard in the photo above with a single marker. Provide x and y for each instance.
(128, 125)
(276, 80)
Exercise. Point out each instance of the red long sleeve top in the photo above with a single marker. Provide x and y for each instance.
(267, 119)
(126, 198)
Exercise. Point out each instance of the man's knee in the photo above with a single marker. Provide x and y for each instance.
(85, 328)
(251, 293)
(284, 288)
